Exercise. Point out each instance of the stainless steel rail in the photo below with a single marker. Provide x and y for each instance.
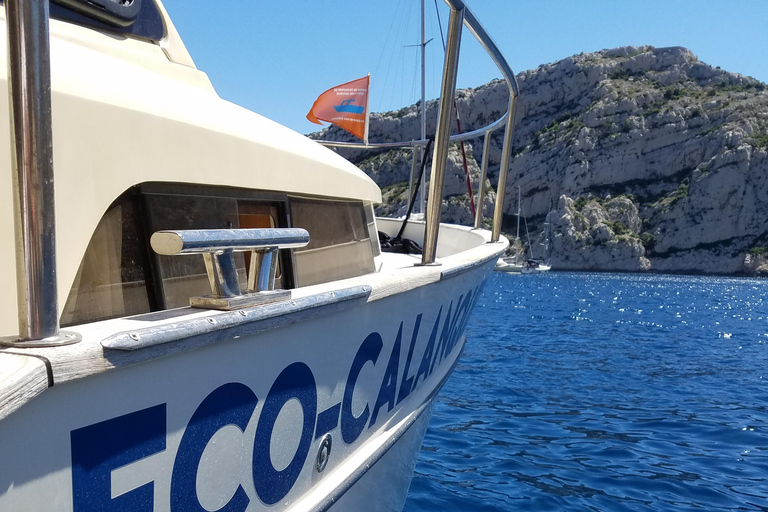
(509, 76)
(29, 84)
(506, 120)
(457, 137)
(198, 241)
(506, 156)
(218, 247)
(442, 137)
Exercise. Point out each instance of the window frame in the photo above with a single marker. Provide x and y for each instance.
(301, 276)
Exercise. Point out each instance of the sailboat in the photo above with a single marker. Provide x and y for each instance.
(201, 316)
(513, 264)
(533, 266)
(518, 264)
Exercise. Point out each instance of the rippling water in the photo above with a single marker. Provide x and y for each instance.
(604, 392)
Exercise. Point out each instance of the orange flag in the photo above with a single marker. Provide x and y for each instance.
(345, 105)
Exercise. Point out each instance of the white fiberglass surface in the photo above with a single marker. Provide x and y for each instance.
(451, 240)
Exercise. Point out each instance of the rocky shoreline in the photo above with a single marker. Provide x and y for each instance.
(635, 159)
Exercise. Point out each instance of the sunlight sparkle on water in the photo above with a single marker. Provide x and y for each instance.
(563, 400)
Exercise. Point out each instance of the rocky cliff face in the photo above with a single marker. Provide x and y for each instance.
(636, 158)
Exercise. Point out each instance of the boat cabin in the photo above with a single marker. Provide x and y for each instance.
(143, 143)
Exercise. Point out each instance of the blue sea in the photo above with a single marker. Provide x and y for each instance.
(613, 392)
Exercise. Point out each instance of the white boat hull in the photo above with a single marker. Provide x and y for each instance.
(508, 265)
(237, 424)
(536, 270)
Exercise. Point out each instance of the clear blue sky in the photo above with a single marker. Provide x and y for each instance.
(276, 57)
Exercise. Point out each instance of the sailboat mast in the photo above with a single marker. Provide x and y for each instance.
(517, 235)
(423, 102)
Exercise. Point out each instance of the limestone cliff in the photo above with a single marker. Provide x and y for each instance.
(636, 158)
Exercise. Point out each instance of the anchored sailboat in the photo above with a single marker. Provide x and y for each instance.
(518, 262)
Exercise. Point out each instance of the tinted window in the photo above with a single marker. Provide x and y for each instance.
(119, 276)
(339, 246)
(140, 18)
(111, 281)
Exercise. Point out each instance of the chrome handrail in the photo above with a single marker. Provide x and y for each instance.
(29, 82)
(456, 137)
(507, 119)
(442, 137)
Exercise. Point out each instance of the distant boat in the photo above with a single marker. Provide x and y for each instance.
(534, 267)
(346, 106)
(513, 264)
(518, 263)
(509, 264)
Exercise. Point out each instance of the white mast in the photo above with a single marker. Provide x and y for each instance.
(517, 235)
(423, 104)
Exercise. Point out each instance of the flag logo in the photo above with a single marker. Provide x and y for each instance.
(346, 106)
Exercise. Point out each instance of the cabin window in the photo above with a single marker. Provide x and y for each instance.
(111, 280)
(184, 276)
(252, 216)
(339, 240)
(120, 275)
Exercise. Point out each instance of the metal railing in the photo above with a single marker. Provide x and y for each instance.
(460, 14)
(29, 82)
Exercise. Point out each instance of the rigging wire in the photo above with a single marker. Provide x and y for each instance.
(440, 24)
(415, 189)
(405, 99)
(415, 73)
(527, 234)
(387, 93)
(395, 77)
(381, 54)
